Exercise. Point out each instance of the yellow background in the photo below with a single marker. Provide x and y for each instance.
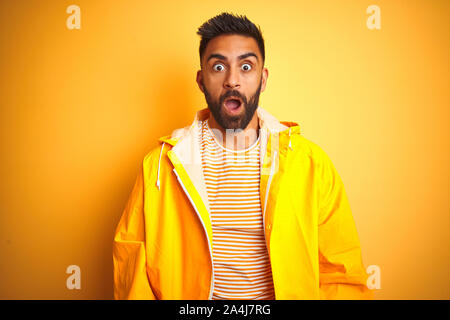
(79, 109)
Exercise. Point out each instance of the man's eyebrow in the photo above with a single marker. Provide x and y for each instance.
(222, 57)
(248, 54)
(216, 55)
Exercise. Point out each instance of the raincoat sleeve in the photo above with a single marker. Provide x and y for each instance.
(129, 254)
(342, 273)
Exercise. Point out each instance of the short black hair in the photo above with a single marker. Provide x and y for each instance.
(228, 23)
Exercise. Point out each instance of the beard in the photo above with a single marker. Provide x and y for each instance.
(235, 122)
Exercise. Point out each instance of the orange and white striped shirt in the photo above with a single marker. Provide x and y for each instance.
(241, 262)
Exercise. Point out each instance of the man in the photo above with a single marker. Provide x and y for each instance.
(238, 205)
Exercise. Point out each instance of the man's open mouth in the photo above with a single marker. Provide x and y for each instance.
(233, 104)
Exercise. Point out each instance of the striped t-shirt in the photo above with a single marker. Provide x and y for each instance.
(241, 262)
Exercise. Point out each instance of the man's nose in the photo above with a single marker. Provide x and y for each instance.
(232, 80)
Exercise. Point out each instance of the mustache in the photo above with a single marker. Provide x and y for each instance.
(234, 93)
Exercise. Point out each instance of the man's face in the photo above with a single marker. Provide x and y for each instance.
(231, 79)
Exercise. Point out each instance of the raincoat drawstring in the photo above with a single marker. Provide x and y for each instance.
(159, 164)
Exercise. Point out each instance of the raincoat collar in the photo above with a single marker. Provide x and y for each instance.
(267, 122)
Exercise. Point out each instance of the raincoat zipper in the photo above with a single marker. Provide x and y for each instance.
(206, 232)
(272, 167)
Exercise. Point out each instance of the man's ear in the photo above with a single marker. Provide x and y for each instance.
(264, 76)
(200, 80)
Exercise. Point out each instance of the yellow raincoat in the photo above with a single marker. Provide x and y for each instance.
(163, 243)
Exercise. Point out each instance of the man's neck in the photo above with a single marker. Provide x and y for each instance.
(236, 139)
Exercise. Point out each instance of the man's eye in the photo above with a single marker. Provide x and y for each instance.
(246, 67)
(218, 67)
